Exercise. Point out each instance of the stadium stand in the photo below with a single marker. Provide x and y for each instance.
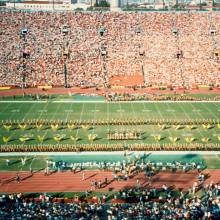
(178, 49)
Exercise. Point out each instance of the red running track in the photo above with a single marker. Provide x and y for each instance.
(70, 182)
(17, 91)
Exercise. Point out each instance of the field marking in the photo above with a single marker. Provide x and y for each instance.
(54, 114)
(94, 116)
(158, 110)
(121, 126)
(104, 101)
(215, 116)
(196, 110)
(120, 110)
(94, 110)
(80, 119)
(146, 110)
(4, 110)
(42, 110)
(68, 112)
(170, 110)
(28, 153)
(187, 134)
(28, 111)
(15, 110)
(201, 135)
(34, 158)
(23, 116)
(150, 110)
(12, 114)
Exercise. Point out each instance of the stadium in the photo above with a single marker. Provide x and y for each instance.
(109, 110)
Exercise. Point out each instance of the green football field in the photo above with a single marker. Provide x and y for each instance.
(100, 110)
(37, 162)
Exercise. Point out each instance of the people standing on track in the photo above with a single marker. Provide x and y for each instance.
(7, 162)
(17, 177)
(31, 171)
(46, 171)
(23, 161)
(83, 176)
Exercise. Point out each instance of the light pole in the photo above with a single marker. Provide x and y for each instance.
(65, 55)
(23, 52)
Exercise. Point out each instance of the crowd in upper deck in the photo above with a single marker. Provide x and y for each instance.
(179, 49)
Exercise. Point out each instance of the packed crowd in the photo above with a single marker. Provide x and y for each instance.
(110, 147)
(178, 49)
(33, 123)
(138, 164)
(149, 204)
(117, 97)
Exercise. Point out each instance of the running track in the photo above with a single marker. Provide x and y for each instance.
(70, 182)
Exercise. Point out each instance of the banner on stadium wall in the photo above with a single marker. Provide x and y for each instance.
(5, 88)
(203, 86)
(118, 87)
(159, 87)
(44, 87)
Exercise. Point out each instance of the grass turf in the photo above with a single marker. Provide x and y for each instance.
(104, 111)
(39, 162)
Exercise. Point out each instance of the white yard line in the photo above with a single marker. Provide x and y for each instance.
(189, 117)
(28, 153)
(94, 118)
(122, 126)
(80, 119)
(42, 111)
(30, 167)
(151, 125)
(17, 107)
(218, 106)
(68, 113)
(7, 106)
(54, 115)
(158, 110)
(30, 109)
(212, 113)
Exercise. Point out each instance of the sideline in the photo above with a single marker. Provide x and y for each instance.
(104, 102)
